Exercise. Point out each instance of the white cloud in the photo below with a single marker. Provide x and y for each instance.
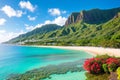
(29, 28)
(2, 21)
(64, 12)
(31, 18)
(2, 31)
(26, 25)
(27, 5)
(5, 36)
(54, 11)
(59, 21)
(10, 12)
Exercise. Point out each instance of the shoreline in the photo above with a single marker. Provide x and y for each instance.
(91, 50)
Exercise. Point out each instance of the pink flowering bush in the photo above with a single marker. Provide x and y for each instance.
(112, 63)
(93, 65)
(100, 64)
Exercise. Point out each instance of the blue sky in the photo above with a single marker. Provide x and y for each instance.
(20, 16)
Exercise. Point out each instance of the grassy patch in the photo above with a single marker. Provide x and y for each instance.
(97, 76)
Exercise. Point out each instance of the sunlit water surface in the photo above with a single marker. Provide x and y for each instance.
(19, 59)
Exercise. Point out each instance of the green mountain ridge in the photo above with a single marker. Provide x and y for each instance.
(94, 16)
(94, 28)
(37, 31)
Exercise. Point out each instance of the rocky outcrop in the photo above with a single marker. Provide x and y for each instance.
(94, 16)
(72, 18)
(117, 15)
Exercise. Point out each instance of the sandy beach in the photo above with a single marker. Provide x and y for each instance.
(91, 50)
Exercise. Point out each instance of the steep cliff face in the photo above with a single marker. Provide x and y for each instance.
(72, 18)
(94, 16)
(117, 15)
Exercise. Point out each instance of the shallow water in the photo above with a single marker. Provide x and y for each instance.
(19, 59)
(68, 76)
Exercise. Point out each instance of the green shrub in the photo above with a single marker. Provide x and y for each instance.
(105, 68)
(118, 73)
(103, 56)
(112, 67)
(101, 66)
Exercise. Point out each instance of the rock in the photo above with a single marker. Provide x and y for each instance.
(94, 16)
(113, 76)
(72, 18)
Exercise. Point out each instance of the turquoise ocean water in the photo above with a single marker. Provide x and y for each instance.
(19, 59)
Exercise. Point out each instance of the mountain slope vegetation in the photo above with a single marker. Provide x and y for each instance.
(89, 28)
(37, 31)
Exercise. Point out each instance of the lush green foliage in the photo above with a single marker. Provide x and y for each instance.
(82, 33)
(104, 57)
(113, 64)
(105, 68)
(118, 73)
(36, 32)
(101, 65)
